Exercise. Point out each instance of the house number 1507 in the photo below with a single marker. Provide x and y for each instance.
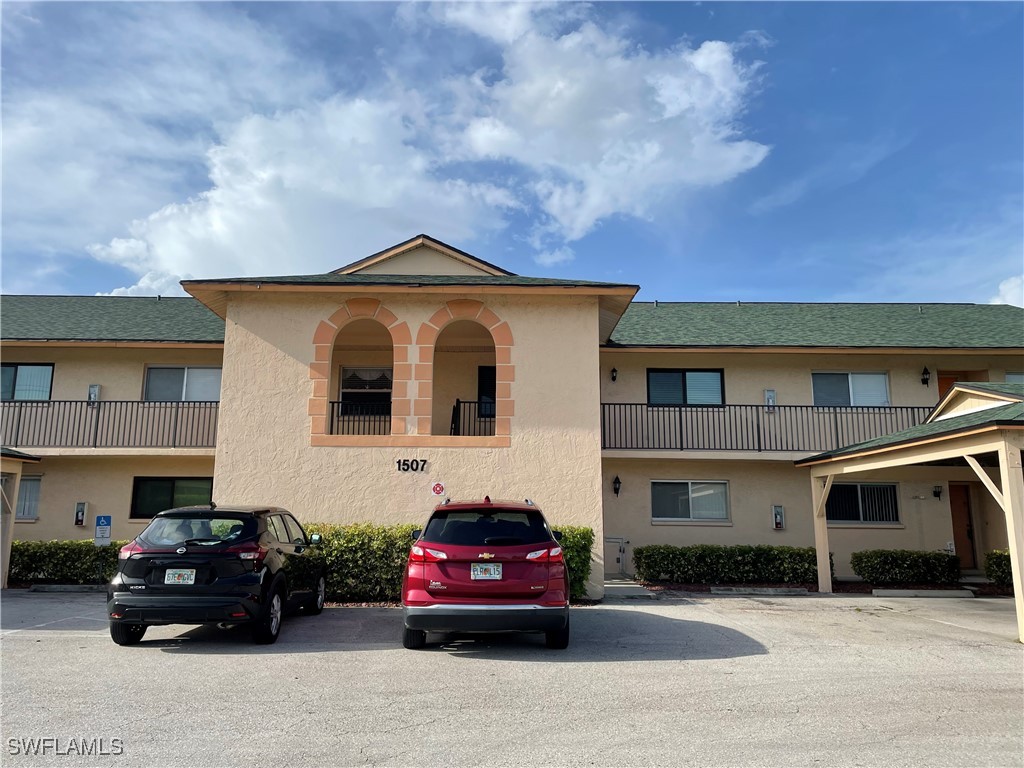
(411, 465)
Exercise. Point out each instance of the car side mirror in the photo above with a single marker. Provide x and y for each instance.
(416, 534)
(315, 539)
(557, 535)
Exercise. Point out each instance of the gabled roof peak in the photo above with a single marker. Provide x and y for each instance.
(424, 241)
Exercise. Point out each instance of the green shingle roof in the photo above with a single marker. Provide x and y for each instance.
(332, 278)
(107, 318)
(820, 325)
(10, 453)
(1009, 414)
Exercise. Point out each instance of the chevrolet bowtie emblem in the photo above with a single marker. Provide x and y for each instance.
(485, 555)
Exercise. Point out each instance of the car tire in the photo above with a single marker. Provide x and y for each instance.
(268, 626)
(316, 604)
(126, 634)
(414, 638)
(558, 639)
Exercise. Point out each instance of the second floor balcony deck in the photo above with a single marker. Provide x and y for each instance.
(108, 424)
(757, 428)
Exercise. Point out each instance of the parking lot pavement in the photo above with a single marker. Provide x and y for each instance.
(689, 681)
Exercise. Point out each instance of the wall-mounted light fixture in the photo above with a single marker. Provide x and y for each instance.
(937, 491)
(926, 376)
(616, 485)
(615, 374)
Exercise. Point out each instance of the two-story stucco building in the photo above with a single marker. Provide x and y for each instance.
(348, 396)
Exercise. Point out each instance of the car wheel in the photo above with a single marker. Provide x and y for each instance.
(316, 605)
(414, 638)
(268, 626)
(558, 638)
(126, 634)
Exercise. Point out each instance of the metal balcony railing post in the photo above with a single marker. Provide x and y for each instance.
(174, 425)
(96, 422)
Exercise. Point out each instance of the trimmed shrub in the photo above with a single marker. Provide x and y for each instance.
(716, 564)
(62, 562)
(905, 566)
(997, 567)
(577, 543)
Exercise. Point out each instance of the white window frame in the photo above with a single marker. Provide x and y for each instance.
(862, 523)
(849, 383)
(19, 512)
(184, 381)
(714, 521)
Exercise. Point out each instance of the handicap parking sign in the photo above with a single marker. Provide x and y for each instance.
(102, 536)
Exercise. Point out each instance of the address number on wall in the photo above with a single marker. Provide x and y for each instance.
(411, 465)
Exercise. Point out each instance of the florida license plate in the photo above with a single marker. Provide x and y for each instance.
(485, 571)
(180, 576)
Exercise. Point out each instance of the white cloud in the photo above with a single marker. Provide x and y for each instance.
(1011, 291)
(561, 255)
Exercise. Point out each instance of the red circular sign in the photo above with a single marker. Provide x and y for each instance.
(438, 489)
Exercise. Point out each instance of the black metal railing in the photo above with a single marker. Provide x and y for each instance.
(108, 424)
(473, 418)
(360, 418)
(803, 428)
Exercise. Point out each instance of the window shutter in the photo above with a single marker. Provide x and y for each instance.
(665, 387)
(869, 388)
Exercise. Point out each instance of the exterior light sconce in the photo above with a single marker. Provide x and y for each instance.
(615, 374)
(616, 485)
(926, 376)
(937, 491)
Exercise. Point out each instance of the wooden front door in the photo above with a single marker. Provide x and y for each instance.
(963, 528)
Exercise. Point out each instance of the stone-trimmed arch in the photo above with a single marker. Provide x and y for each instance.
(323, 347)
(505, 371)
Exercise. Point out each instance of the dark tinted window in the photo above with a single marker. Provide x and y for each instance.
(490, 527)
(295, 534)
(277, 529)
(155, 494)
(208, 528)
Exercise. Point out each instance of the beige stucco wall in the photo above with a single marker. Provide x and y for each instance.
(119, 371)
(755, 486)
(106, 483)
(421, 261)
(748, 374)
(264, 453)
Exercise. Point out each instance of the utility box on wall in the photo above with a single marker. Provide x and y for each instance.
(81, 510)
(778, 517)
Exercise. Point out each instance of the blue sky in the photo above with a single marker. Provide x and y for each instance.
(707, 151)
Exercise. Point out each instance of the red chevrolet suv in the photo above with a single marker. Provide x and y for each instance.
(483, 566)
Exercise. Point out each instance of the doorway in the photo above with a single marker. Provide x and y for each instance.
(963, 525)
(614, 556)
(948, 378)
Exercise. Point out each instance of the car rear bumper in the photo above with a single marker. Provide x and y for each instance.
(196, 609)
(444, 617)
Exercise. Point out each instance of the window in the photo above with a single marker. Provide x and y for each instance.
(295, 533)
(28, 498)
(666, 386)
(486, 389)
(155, 494)
(277, 528)
(850, 388)
(27, 382)
(862, 503)
(1015, 378)
(365, 391)
(690, 500)
(182, 384)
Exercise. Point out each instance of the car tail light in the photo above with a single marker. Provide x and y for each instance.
(250, 550)
(128, 550)
(420, 554)
(553, 555)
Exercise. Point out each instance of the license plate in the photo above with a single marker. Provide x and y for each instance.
(485, 571)
(180, 576)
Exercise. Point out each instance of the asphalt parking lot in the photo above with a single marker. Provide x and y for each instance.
(846, 680)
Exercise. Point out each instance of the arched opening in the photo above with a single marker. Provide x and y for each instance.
(464, 380)
(361, 380)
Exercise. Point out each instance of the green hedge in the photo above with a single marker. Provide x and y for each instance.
(997, 567)
(62, 562)
(905, 566)
(364, 562)
(715, 564)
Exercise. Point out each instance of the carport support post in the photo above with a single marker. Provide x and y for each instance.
(1013, 506)
(820, 486)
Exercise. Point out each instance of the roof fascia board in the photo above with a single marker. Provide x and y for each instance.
(427, 242)
(411, 287)
(963, 387)
(108, 343)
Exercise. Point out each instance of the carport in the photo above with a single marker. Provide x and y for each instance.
(11, 462)
(980, 425)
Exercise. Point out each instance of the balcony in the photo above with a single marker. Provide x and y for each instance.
(359, 418)
(472, 419)
(759, 428)
(108, 424)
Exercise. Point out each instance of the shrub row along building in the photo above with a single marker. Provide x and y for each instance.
(368, 393)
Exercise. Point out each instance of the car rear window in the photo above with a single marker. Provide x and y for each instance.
(209, 529)
(493, 527)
